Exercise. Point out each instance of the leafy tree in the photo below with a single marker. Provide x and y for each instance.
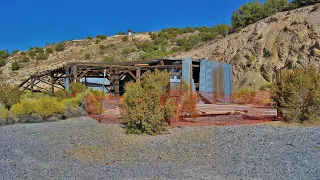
(60, 47)
(15, 66)
(274, 6)
(247, 14)
(2, 62)
(4, 54)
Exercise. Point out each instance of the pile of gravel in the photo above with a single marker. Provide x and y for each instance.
(80, 148)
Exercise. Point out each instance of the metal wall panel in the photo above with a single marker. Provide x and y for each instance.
(215, 81)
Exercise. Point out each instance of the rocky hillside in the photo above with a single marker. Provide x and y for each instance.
(286, 39)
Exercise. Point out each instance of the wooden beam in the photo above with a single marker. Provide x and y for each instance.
(75, 73)
(84, 73)
(132, 75)
(52, 84)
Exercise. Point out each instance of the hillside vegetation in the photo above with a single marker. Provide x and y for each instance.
(259, 39)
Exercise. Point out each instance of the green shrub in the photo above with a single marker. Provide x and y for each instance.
(102, 47)
(102, 37)
(60, 47)
(4, 115)
(2, 62)
(121, 33)
(89, 37)
(42, 56)
(125, 38)
(9, 94)
(87, 56)
(15, 51)
(109, 59)
(15, 66)
(298, 96)
(267, 86)
(126, 51)
(45, 107)
(32, 54)
(24, 59)
(49, 50)
(4, 54)
(143, 111)
(23, 53)
(97, 41)
(77, 88)
(38, 50)
(62, 94)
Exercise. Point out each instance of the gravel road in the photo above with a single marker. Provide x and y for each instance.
(80, 148)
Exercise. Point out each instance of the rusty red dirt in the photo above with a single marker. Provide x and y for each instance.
(212, 114)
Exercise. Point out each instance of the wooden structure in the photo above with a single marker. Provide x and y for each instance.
(60, 78)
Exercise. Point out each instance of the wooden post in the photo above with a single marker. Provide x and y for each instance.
(278, 81)
(52, 83)
(117, 92)
(75, 73)
(32, 84)
(138, 74)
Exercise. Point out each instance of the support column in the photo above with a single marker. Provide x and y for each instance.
(67, 79)
(278, 81)
(75, 73)
(32, 84)
(138, 74)
(117, 92)
(52, 84)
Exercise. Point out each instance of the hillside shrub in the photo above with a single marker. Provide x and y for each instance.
(38, 50)
(87, 56)
(42, 56)
(24, 59)
(15, 66)
(32, 54)
(109, 59)
(89, 37)
(298, 96)
(60, 47)
(97, 41)
(15, 51)
(142, 108)
(102, 47)
(125, 38)
(2, 62)
(49, 50)
(102, 37)
(23, 53)
(4, 54)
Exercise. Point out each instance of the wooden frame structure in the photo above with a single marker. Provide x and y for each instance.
(60, 78)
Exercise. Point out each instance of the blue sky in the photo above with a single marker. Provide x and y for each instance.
(26, 23)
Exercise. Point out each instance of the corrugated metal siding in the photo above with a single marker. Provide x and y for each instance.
(215, 81)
